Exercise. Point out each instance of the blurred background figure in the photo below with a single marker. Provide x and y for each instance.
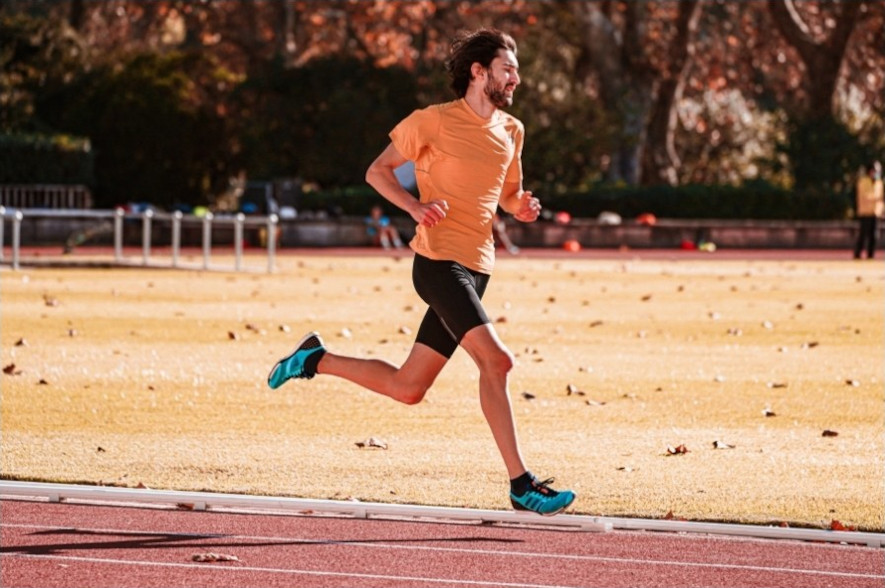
(380, 230)
(499, 229)
(870, 207)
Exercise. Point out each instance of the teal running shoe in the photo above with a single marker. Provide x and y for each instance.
(293, 365)
(543, 499)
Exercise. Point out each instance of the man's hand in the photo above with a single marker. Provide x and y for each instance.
(529, 208)
(429, 214)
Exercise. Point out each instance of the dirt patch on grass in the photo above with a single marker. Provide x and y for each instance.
(158, 377)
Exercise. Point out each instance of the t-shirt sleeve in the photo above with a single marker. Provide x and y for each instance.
(413, 133)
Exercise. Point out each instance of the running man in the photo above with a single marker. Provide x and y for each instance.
(467, 156)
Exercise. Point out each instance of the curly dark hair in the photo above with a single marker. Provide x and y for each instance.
(480, 46)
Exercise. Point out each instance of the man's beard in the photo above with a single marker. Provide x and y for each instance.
(498, 96)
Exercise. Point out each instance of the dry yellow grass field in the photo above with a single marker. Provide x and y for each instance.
(157, 377)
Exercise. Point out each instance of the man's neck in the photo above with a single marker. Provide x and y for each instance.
(479, 103)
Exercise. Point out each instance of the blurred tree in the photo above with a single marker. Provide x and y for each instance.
(154, 137)
(638, 53)
(324, 121)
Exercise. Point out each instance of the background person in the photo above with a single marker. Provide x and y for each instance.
(380, 230)
(870, 207)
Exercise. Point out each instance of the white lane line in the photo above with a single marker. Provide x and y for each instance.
(294, 572)
(460, 550)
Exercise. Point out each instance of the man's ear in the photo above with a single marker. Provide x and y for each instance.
(477, 70)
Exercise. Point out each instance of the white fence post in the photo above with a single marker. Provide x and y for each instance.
(16, 238)
(2, 224)
(238, 241)
(176, 237)
(118, 234)
(272, 221)
(146, 236)
(207, 239)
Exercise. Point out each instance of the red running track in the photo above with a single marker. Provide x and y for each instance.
(49, 545)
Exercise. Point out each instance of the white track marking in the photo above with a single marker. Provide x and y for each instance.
(489, 552)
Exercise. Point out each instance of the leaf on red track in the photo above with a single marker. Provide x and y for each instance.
(213, 557)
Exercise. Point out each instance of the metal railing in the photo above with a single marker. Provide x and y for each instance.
(59, 196)
(148, 219)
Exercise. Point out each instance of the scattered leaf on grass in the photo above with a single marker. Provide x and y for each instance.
(595, 403)
(768, 412)
(233, 336)
(285, 328)
(721, 445)
(596, 324)
(777, 384)
(21, 343)
(678, 450)
(671, 517)
(372, 442)
(854, 383)
(646, 298)
(838, 526)
(405, 330)
(49, 300)
(501, 319)
(42, 382)
(212, 557)
(100, 449)
(528, 396)
(572, 389)
(810, 345)
(829, 433)
(10, 370)
(735, 332)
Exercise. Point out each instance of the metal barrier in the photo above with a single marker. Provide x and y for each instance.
(147, 219)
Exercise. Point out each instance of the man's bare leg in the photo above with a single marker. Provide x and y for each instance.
(407, 384)
(495, 362)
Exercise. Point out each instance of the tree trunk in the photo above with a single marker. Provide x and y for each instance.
(660, 161)
(822, 59)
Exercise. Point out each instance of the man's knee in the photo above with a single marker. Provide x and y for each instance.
(413, 393)
(498, 361)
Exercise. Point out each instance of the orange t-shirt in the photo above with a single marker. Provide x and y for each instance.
(465, 160)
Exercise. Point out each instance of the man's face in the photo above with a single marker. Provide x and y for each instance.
(502, 79)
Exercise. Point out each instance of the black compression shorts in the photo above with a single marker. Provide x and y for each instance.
(453, 293)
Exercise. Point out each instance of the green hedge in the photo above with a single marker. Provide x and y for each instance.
(750, 201)
(45, 159)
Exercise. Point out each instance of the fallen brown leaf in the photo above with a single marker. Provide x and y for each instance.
(528, 396)
(720, 445)
(829, 433)
(372, 442)
(678, 450)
